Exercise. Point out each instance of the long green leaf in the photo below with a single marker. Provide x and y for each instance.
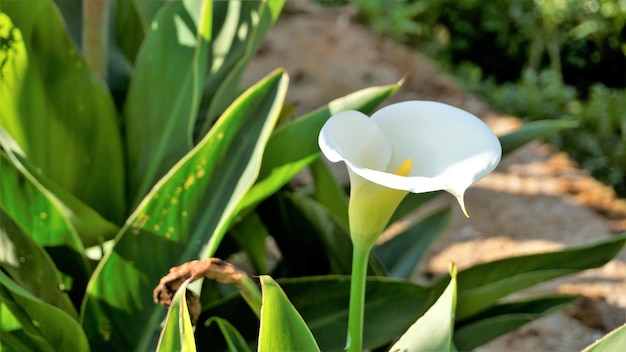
(433, 330)
(190, 207)
(294, 146)
(531, 131)
(401, 254)
(391, 306)
(613, 341)
(177, 334)
(31, 291)
(481, 286)
(42, 216)
(58, 110)
(239, 27)
(328, 192)
(503, 318)
(164, 94)
(44, 326)
(282, 328)
(29, 266)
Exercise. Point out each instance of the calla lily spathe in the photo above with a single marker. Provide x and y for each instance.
(413, 146)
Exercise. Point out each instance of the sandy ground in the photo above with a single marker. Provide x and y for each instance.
(535, 201)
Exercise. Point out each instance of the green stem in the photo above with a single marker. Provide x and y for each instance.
(357, 300)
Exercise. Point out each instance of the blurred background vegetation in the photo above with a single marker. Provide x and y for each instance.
(536, 59)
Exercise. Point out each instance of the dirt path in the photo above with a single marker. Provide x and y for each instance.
(536, 200)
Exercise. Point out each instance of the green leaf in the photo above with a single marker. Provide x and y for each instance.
(311, 241)
(531, 131)
(182, 218)
(294, 146)
(164, 93)
(328, 192)
(282, 328)
(432, 331)
(233, 339)
(481, 286)
(503, 318)
(40, 317)
(239, 28)
(90, 226)
(177, 334)
(46, 221)
(391, 306)
(401, 254)
(251, 235)
(58, 110)
(613, 341)
(29, 266)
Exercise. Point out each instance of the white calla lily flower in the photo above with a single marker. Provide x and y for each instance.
(413, 146)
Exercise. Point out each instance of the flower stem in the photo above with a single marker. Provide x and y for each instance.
(357, 299)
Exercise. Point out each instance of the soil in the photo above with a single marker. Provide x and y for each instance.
(537, 199)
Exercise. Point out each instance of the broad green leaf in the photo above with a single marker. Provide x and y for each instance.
(401, 254)
(239, 27)
(40, 315)
(328, 192)
(531, 131)
(182, 218)
(233, 339)
(29, 266)
(481, 286)
(613, 341)
(282, 328)
(391, 306)
(88, 224)
(58, 110)
(44, 326)
(177, 334)
(164, 93)
(293, 146)
(43, 218)
(432, 331)
(503, 318)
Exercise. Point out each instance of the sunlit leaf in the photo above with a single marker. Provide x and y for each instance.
(58, 110)
(182, 218)
(164, 93)
(239, 27)
(90, 226)
(613, 341)
(46, 221)
(432, 331)
(177, 334)
(391, 306)
(282, 328)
